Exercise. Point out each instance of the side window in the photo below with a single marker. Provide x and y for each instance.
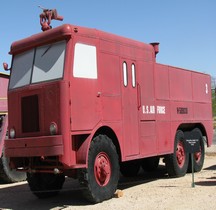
(125, 74)
(133, 72)
(85, 61)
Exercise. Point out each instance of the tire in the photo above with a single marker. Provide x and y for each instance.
(199, 157)
(177, 163)
(8, 175)
(45, 185)
(130, 168)
(101, 177)
(150, 164)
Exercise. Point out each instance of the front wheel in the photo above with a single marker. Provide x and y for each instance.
(177, 163)
(45, 185)
(102, 175)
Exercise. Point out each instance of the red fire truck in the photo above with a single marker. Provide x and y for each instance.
(88, 104)
(7, 175)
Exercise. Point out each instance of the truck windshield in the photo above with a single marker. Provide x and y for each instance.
(41, 64)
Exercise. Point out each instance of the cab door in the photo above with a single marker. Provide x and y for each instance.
(85, 111)
(130, 108)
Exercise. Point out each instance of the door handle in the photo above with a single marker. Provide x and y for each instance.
(138, 96)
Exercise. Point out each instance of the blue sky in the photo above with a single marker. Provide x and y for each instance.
(186, 29)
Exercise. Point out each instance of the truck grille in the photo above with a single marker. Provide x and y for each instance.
(30, 114)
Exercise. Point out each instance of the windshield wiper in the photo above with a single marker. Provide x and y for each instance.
(46, 50)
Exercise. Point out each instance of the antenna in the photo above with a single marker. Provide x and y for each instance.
(46, 16)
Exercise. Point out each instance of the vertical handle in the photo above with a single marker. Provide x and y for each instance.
(138, 96)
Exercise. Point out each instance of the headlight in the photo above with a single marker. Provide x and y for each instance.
(12, 133)
(53, 128)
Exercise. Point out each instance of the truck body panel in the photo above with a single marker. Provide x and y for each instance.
(109, 83)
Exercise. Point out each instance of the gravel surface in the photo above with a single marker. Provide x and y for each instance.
(146, 191)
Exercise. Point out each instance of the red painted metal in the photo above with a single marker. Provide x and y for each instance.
(49, 145)
(140, 108)
(102, 169)
(198, 155)
(180, 154)
(46, 16)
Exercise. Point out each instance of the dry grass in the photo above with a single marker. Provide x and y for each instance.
(214, 122)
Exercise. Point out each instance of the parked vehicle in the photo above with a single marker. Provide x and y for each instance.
(7, 175)
(88, 104)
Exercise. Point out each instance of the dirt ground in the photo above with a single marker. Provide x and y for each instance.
(146, 191)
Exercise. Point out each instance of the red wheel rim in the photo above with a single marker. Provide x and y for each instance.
(197, 155)
(180, 154)
(102, 169)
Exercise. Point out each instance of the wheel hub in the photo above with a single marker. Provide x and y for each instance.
(180, 154)
(197, 156)
(102, 169)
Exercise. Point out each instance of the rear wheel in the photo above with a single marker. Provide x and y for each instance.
(102, 175)
(8, 175)
(45, 185)
(177, 163)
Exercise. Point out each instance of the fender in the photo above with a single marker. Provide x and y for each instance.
(82, 148)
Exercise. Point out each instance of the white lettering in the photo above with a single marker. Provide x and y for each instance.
(206, 88)
(151, 109)
(148, 109)
(161, 110)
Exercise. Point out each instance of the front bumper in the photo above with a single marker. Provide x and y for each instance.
(34, 146)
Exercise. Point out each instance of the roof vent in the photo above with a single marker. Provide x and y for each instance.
(156, 47)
